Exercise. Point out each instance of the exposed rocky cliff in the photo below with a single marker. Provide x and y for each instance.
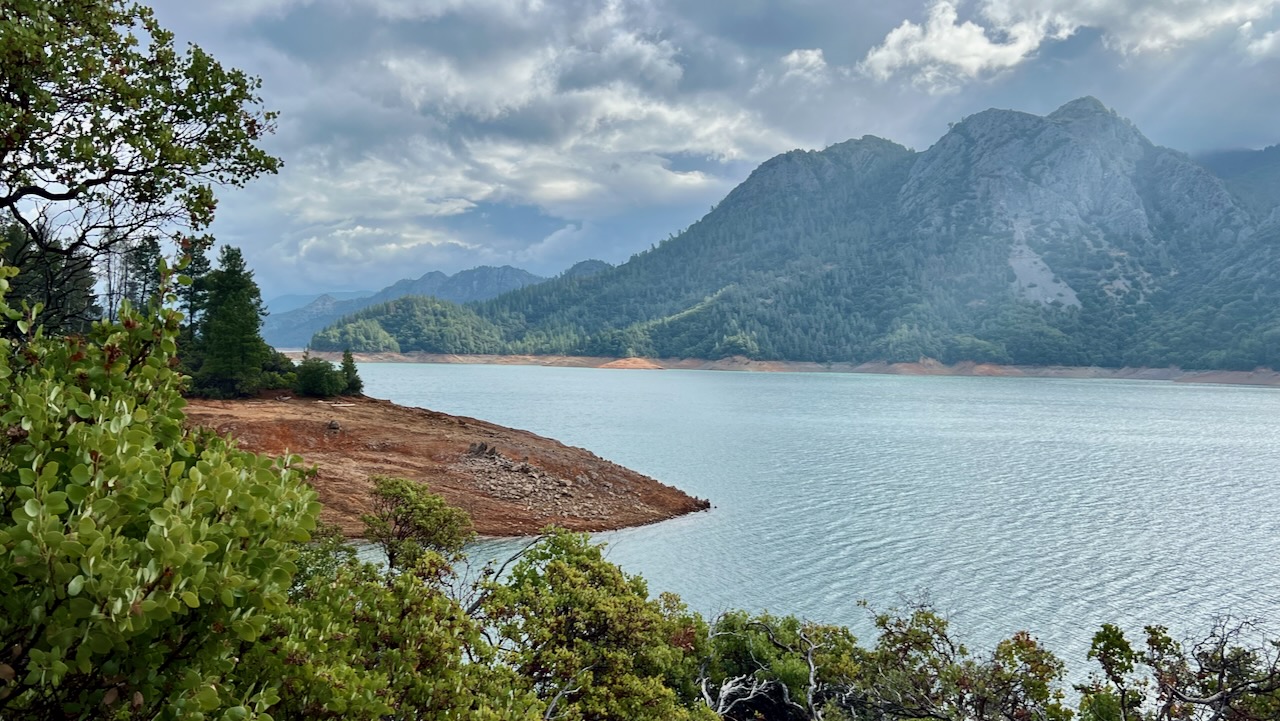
(1061, 239)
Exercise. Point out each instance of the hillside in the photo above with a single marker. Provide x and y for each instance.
(294, 328)
(411, 323)
(1253, 175)
(1062, 239)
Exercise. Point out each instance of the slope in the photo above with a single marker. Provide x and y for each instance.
(294, 329)
(1063, 239)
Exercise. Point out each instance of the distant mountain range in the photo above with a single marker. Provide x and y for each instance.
(286, 303)
(1063, 239)
(294, 328)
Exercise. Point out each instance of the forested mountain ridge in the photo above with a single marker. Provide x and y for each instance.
(1061, 239)
(1253, 175)
(295, 328)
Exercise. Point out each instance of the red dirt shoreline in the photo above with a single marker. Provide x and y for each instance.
(512, 482)
(924, 367)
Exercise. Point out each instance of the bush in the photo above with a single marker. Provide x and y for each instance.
(137, 557)
(317, 377)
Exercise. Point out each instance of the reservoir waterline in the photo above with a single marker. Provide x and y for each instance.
(1050, 505)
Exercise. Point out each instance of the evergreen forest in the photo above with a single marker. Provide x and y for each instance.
(151, 570)
(990, 246)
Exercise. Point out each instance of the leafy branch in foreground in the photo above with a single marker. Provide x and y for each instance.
(137, 557)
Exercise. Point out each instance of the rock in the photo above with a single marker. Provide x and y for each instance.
(335, 426)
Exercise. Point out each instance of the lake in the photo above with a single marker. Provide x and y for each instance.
(1013, 503)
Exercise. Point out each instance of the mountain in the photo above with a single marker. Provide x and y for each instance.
(1061, 239)
(293, 329)
(585, 268)
(286, 303)
(1253, 175)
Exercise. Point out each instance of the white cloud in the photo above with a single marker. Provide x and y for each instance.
(428, 80)
(1258, 47)
(808, 65)
(945, 51)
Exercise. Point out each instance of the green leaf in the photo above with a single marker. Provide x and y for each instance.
(189, 598)
(74, 587)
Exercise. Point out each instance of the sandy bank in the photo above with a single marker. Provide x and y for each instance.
(512, 482)
(925, 367)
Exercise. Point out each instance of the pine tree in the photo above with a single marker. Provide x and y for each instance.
(192, 298)
(61, 281)
(232, 348)
(354, 385)
(142, 271)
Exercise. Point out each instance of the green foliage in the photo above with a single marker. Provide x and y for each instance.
(1232, 673)
(354, 384)
(137, 557)
(318, 378)
(193, 297)
(366, 335)
(409, 522)
(142, 262)
(918, 670)
(412, 323)
(229, 357)
(105, 118)
(584, 636)
(776, 668)
(356, 644)
(61, 281)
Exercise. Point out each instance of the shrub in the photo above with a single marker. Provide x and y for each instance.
(317, 377)
(136, 556)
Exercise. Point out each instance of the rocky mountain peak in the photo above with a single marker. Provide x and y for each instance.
(1085, 107)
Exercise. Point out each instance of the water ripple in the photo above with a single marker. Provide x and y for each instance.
(1047, 505)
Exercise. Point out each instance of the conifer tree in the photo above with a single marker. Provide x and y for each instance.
(233, 350)
(354, 384)
(192, 298)
(142, 271)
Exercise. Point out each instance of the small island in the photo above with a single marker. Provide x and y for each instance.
(511, 482)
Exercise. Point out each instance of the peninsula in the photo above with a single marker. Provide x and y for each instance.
(512, 482)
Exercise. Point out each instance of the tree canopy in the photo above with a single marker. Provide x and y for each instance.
(113, 128)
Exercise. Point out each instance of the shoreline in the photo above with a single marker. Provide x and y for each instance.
(511, 482)
(924, 367)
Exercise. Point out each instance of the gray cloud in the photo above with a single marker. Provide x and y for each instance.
(441, 135)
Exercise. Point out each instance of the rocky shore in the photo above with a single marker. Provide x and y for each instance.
(512, 482)
(924, 367)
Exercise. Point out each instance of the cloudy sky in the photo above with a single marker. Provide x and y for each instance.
(427, 135)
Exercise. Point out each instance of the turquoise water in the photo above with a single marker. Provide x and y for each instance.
(1012, 503)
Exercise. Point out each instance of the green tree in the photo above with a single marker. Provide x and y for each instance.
(585, 637)
(137, 557)
(408, 522)
(357, 643)
(317, 377)
(232, 349)
(193, 297)
(142, 271)
(1231, 673)
(110, 131)
(354, 384)
(62, 283)
(917, 669)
